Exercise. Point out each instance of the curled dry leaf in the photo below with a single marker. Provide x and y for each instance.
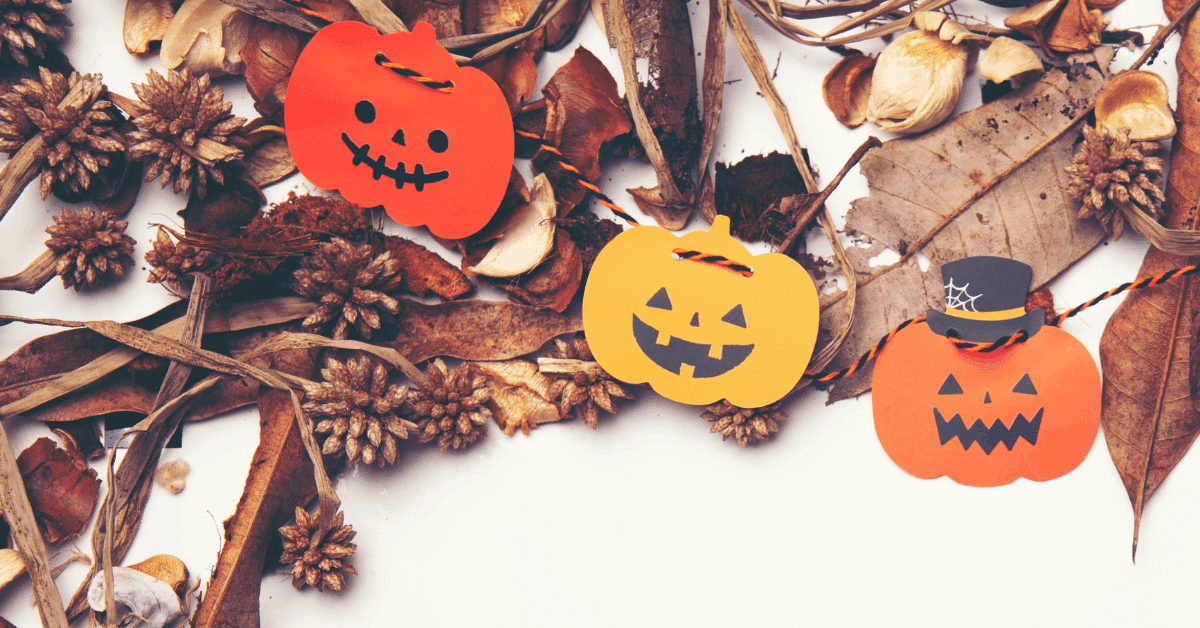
(516, 74)
(476, 330)
(164, 567)
(528, 240)
(445, 16)
(148, 601)
(1036, 21)
(1077, 28)
(269, 162)
(520, 395)
(1137, 101)
(847, 88)
(269, 54)
(553, 284)
(425, 273)
(1009, 60)
(145, 23)
(206, 37)
(12, 565)
(62, 489)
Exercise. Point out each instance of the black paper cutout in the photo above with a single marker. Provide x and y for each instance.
(364, 111)
(988, 437)
(660, 300)
(438, 142)
(1025, 386)
(695, 320)
(950, 386)
(398, 137)
(399, 174)
(673, 355)
(735, 317)
(984, 284)
(987, 397)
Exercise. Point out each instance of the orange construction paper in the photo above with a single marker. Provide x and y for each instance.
(428, 157)
(1028, 411)
(696, 332)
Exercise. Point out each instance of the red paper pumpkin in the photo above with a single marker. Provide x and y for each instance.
(986, 419)
(430, 157)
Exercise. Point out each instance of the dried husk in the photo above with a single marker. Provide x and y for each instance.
(1139, 101)
(917, 81)
(1007, 59)
(528, 240)
(206, 37)
(145, 23)
(847, 89)
(1077, 28)
(1036, 21)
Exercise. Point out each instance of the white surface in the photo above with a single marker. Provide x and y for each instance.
(650, 520)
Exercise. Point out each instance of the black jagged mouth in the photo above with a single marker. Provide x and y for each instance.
(673, 355)
(379, 168)
(988, 437)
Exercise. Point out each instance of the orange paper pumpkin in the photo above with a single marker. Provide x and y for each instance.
(698, 332)
(430, 157)
(986, 419)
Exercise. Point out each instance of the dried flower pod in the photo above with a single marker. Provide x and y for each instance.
(318, 561)
(1110, 173)
(186, 131)
(83, 147)
(1010, 60)
(360, 411)
(1137, 102)
(745, 425)
(171, 262)
(847, 88)
(353, 286)
(91, 246)
(451, 408)
(30, 27)
(1077, 28)
(583, 393)
(919, 77)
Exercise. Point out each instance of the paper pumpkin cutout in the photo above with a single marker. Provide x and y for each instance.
(430, 157)
(986, 419)
(698, 330)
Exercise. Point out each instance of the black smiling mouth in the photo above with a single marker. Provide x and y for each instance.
(988, 437)
(399, 174)
(673, 355)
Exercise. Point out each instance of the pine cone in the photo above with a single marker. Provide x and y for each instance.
(175, 117)
(1109, 173)
(318, 562)
(82, 145)
(353, 286)
(30, 27)
(746, 425)
(361, 410)
(584, 391)
(452, 408)
(170, 262)
(92, 248)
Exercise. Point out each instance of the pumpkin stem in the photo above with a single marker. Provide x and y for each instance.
(720, 225)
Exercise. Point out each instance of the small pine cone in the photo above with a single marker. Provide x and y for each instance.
(360, 411)
(353, 286)
(170, 262)
(746, 425)
(584, 391)
(92, 248)
(30, 27)
(83, 147)
(318, 562)
(176, 114)
(452, 408)
(1109, 173)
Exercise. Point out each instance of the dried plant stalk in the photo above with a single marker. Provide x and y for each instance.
(36, 275)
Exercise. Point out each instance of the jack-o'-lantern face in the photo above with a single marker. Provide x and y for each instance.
(986, 419)
(434, 152)
(697, 331)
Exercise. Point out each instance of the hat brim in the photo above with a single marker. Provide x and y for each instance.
(985, 331)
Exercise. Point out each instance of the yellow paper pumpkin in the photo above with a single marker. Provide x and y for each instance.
(697, 330)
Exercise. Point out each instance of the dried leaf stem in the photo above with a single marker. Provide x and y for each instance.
(36, 275)
(293, 340)
(810, 211)
(379, 16)
(713, 89)
(279, 12)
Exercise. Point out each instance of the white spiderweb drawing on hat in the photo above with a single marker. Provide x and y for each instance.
(958, 298)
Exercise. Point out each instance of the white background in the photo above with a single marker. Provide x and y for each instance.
(650, 520)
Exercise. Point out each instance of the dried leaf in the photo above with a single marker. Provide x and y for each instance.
(80, 438)
(1148, 353)
(62, 489)
(145, 23)
(583, 111)
(1077, 28)
(991, 183)
(269, 162)
(553, 284)
(516, 74)
(445, 16)
(206, 37)
(424, 271)
(847, 87)
(270, 53)
(527, 241)
(651, 202)
(520, 395)
(476, 330)
(590, 234)
(166, 568)
(487, 16)
(747, 189)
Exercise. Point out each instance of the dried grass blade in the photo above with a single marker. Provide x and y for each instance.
(293, 340)
(713, 87)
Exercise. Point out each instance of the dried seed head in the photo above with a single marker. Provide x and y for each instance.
(1109, 173)
(92, 248)
(316, 561)
(353, 285)
(746, 425)
(358, 411)
(30, 27)
(451, 409)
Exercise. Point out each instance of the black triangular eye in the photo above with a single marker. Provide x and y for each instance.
(950, 386)
(1025, 386)
(735, 317)
(660, 300)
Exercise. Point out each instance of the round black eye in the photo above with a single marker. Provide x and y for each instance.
(438, 141)
(364, 111)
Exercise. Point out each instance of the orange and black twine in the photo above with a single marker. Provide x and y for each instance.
(1005, 341)
(303, 8)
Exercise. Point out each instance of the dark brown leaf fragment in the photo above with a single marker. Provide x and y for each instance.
(476, 330)
(553, 284)
(424, 271)
(745, 191)
(62, 489)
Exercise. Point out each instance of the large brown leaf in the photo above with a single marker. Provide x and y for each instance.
(1148, 350)
(476, 330)
(989, 182)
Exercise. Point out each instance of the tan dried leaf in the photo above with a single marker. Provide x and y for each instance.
(1077, 28)
(269, 162)
(520, 395)
(206, 37)
(145, 23)
(476, 330)
(847, 88)
(1009, 60)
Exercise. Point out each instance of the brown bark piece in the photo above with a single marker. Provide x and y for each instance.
(476, 330)
(747, 189)
(61, 488)
(1148, 352)
(424, 271)
(989, 182)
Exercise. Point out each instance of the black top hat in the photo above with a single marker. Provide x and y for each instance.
(985, 300)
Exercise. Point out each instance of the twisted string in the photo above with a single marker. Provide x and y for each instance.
(1005, 341)
(445, 87)
(307, 11)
